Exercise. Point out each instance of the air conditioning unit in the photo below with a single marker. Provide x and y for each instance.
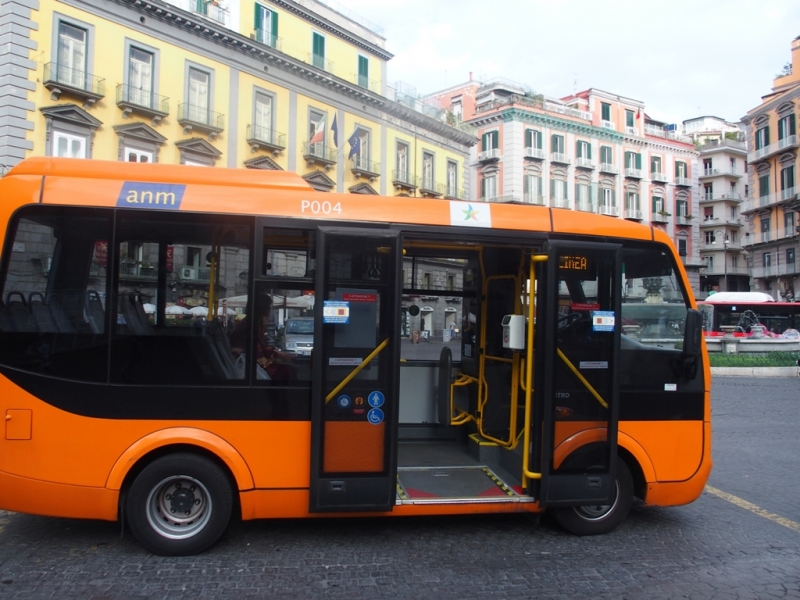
(188, 273)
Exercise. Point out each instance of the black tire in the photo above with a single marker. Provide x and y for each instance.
(179, 505)
(597, 520)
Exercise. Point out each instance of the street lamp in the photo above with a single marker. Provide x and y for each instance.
(725, 242)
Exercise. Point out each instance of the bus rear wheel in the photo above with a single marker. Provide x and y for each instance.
(603, 518)
(179, 505)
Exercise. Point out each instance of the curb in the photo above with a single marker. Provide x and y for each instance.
(757, 371)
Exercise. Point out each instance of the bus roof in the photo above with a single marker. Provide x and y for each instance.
(82, 182)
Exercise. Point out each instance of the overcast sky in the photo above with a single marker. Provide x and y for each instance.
(681, 58)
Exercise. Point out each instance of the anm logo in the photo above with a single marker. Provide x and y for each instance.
(165, 196)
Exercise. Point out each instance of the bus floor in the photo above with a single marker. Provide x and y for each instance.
(445, 472)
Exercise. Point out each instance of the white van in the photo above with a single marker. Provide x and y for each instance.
(298, 337)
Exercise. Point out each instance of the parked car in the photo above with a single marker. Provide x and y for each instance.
(298, 336)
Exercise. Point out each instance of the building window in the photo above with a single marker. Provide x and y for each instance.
(72, 55)
(318, 50)
(790, 256)
(427, 170)
(605, 111)
(767, 259)
(606, 156)
(362, 149)
(765, 224)
(681, 169)
(655, 165)
(402, 161)
(584, 150)
(710, 263)
(533, 139)
(452, 179)
(490, 140)
(788, 223)
(266, 22)
(682, 247)
(317, 128)
(633, 160)
(786, 127)
(607, 199)
(198, 96)
(558, 190)
(787, 178)
(682, 208)
(708, 191)
(489, 187)
(67, 145)
(707, 166)
(629, 118)
(135, 155)
(557, 144)
(363, 71)
(262, 117)
(763, 186)
(658, 205)
(632, 201)
(762, 137)
(532, 188)
(456, 109)
(709, 237)
(140, 77)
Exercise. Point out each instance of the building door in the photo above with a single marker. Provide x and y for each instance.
(355, 388)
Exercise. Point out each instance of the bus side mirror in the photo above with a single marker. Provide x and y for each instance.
(692, 338)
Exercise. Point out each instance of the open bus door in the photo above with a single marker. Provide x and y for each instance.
(577, 379)
(355, 388)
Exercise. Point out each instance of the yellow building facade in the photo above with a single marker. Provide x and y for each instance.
(269, 84)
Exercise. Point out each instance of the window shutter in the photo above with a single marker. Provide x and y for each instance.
(495, 138)
(791, 124)
(554, 143)
(638, 161)
(484, 142)
(528, 138)
(552, 188)
(766, 136)
(257, 18)
(564, 189)
(579, 149)
(588, 151)
(483, 187)
(363, 67)
(274, 25)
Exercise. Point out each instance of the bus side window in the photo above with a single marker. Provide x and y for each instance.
(52, 318)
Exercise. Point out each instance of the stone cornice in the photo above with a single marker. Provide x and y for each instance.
(771, 105)
(330, 27)
(544, 120)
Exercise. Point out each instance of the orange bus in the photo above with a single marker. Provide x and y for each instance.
(456, 358)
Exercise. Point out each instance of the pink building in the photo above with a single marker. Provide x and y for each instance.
(593, 151)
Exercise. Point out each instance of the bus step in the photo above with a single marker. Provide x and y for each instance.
(454, 485)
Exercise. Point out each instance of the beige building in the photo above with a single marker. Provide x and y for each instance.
(772, 204)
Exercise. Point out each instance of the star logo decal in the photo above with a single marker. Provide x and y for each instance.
(470, 213)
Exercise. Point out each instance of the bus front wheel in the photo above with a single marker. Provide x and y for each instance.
(604, 518)
(179, 504)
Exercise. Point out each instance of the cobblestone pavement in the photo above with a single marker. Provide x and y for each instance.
(713, 548)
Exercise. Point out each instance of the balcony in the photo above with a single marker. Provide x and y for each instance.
(365, 82)
(536, 199)
(611, 211)
(660, 217)
(767, 151)
(662, 177)
(429, 188)
(208, 8)
(319, 61)
(193, 274)
(633, 213)
(721, 270)
(720, 221)
(630, 130)
(608, 168)
(608, 125)
(197, 118)
(633, 173)
(721, 172)
(763, 237)
(489, 155)
(714, 246)
(404, 182)
(363, 167)
(453, 193)
(64, 80)
(561, 203)
(774, 270)
(319, 154)
(584, 163)
(558, 157)
(260, 137)
(137, 270)
(585, 206)
(685, 220)
(773, 199)
(142, 102)
(683, 181)
(568, 111)
(265, 37)
(712, 197)
(534, 153)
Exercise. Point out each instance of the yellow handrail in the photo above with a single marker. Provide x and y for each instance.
(526, 450)
(357, 370)
(582, 378)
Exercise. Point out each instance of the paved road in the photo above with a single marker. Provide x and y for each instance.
(744, 546)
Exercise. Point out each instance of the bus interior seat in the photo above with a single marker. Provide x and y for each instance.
(209, 358)
(59, 313)
(94, 312)
(20, 314)
(223, 347)
(6, 322)
(40, 313)
(133, 321)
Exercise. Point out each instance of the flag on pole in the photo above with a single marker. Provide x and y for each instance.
(335, 130)
(319, 131)
(355, 144)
